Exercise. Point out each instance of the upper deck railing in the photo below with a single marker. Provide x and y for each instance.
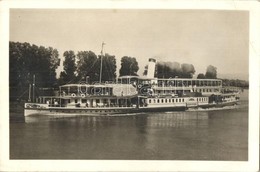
(180, 82)
(171, 82)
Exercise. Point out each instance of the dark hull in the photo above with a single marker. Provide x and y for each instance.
(219, 105)
(162, 109)
(77, 111)
(96, 111)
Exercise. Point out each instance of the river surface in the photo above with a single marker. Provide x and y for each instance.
(216, 134)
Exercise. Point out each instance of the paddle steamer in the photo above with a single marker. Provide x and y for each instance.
(134, 94)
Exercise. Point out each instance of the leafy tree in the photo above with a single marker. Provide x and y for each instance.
(69, 66)
(163, 70)
(87, 66)
(211, 72)
(160, 69)
(54, 63)
(174, 69)
(25, 61)
(129, 66)
(201, 76)
(108, 67)
(235, 83)
(188, 70)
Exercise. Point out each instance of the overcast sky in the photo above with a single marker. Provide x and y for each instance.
(199, 37)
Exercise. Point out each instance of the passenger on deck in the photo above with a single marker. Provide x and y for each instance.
(48, 103)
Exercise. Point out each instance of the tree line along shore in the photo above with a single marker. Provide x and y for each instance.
(28, 60)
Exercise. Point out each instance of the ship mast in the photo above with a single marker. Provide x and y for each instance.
(100, 75)
(29, 100)
(33, 88)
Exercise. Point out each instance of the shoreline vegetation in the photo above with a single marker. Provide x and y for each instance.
(28, 62)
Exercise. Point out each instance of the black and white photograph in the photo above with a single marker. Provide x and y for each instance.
(132, 85)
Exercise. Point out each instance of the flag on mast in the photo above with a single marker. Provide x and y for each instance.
(103, 43)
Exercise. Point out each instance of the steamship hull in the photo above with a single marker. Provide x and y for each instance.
(63, 111)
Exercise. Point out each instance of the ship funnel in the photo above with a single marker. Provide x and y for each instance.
(151, 68)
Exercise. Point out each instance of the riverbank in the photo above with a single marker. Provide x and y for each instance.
(16, 107)
(16, 111)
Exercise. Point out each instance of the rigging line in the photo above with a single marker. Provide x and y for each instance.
(101, 59)
(92, 66)
(37, 91)
(109, 68)
(22, 94)
(89, 69)
(107, 64)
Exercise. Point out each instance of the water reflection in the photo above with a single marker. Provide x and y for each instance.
(142, 123)
(144, 136)
(178, 119)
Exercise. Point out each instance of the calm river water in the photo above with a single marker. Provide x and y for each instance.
(192, 135)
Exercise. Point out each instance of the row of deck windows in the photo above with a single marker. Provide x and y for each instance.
(166, 100)
(202, 99)
(85, 100)
(197, 90)
(84, 111)
(183, 83)
(208, 90)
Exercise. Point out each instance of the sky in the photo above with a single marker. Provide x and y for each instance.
(199, 37)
